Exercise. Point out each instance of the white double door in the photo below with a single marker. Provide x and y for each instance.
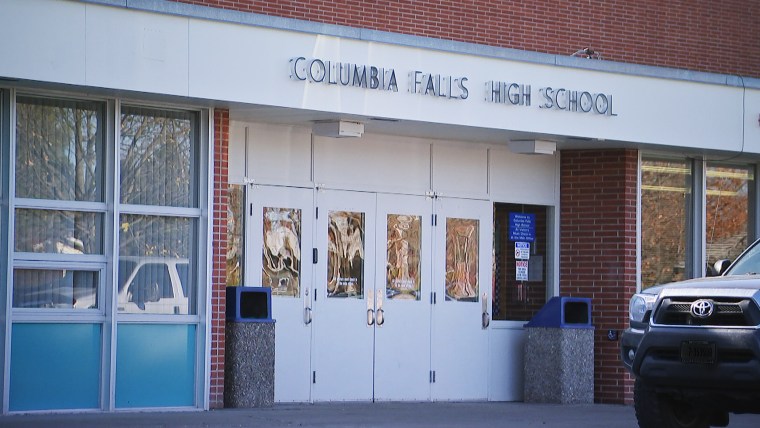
(366, 321)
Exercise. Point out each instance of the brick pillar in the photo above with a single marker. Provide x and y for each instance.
(219, 265)
(598, 252)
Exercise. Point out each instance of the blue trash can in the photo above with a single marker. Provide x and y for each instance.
(249, 348)
(559, 353)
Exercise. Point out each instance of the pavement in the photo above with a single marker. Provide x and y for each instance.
(396, 415)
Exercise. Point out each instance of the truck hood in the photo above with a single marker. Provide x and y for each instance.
(730, 285)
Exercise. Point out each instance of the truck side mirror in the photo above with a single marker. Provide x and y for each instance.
(719, 267)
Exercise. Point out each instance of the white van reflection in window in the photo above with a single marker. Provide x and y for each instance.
(154, 285)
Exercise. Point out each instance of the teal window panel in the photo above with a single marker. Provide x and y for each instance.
(155, 365)
(55, 366)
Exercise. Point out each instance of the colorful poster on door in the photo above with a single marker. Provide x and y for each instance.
(345, 254)
(281, 260)
(403, 260)
(462, 259)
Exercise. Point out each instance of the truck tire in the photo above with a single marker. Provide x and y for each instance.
(659, 411)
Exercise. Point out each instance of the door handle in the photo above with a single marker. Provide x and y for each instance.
(307, 315)
(486, 318)
(370, 309)
(380, 312)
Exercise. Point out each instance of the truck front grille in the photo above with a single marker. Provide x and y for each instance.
(727, 312)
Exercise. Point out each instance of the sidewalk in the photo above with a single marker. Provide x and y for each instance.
(396, 415)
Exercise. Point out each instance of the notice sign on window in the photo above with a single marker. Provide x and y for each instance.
(522, 227)
(522, 250)
(522, 270)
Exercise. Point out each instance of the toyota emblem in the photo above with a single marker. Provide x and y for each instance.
(702, 308)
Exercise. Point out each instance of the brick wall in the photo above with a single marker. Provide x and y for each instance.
(219, 267)
(705, 35)
(598, 252)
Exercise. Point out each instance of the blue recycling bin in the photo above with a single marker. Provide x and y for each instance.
(563, 312)
(559, 353)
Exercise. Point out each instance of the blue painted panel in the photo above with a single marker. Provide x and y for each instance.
(155, 365)
(55, 366)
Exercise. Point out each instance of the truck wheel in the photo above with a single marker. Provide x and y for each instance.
(659, 411)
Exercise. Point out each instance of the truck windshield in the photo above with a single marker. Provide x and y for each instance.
(747, 263)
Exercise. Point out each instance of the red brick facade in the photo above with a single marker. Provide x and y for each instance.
(704, 35)
(598, 252)
(219, 261)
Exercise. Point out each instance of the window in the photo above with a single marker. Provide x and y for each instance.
(97, 193)
(158, 223)
(61, 288)
(59, 205)
(59, 150)
(666, 198)
(158, 156)
(727, 210)
(520, 255)
(691, 205)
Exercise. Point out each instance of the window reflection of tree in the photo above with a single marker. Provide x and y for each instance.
(156, 158)
(665, 204)
(155, 236)
(157, 166)
(58, 157)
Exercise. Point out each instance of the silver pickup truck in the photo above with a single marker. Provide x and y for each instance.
(694, 347)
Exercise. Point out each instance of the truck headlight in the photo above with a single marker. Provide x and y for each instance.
(640, 305)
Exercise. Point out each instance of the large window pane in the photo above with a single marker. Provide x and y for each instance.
(156, 273)
(158, 155)
(61, 232)
(727, 211)
(665, 212)
(59, 150)
(55, 288)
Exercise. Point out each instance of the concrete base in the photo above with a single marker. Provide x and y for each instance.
(249, 364)
(559, 365)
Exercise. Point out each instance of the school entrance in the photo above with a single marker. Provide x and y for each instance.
(376, 296)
